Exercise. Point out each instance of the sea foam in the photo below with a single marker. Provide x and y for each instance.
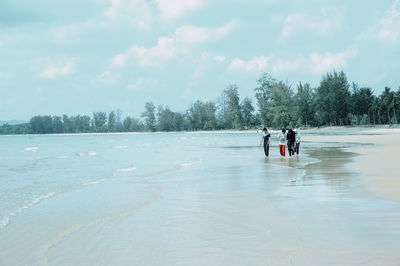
(130, 169)
(34, 148)
(187, 164)
(5, 220)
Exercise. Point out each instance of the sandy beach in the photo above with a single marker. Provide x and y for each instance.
(378, 157)
(200, 199)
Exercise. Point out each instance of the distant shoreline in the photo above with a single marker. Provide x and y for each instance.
(222, 131)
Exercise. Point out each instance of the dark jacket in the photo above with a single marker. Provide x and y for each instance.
(291, 136)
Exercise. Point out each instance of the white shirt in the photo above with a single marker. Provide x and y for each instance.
(282, 138)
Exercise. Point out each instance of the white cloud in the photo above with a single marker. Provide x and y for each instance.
(142, 14)
(219, 58)
(62, 68)
(315, 63)
(171, 9)
(108, 77)
(65, 32)
(321, 63)
(388, 28)
(329, 20)
(138, 13)
(168, 47)
(257, 64)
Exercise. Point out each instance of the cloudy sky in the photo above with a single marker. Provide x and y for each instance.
(76, 57)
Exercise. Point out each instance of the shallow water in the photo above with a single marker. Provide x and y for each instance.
(186, 199)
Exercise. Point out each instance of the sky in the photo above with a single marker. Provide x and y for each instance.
(80, 56)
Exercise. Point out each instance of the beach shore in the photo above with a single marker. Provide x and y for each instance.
(378, 162)
(202, 199)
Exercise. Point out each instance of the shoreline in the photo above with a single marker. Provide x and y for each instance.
(306, 130)
(376, 163)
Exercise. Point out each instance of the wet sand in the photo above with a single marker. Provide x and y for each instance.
(378, 162)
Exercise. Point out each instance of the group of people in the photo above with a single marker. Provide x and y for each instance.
(290, 139)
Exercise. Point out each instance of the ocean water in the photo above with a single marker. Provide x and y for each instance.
(183, 199)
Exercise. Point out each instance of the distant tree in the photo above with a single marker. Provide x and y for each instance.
(149, 116)
(304, 102)
(247, 110)
(41, 124)
(132, 125)
(263, 96)
(202, 116)
(229, 113)
(169, 120)
(57, 124)
(361, 104)
(119, 126)
(332, 99)
(388, 102)
(100, 121)
(282, 106)
(112, 121)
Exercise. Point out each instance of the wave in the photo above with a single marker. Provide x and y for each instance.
(187, 164)
(34, 148)
(92, 153)
(95, 182)
(5, 220)
(130, 169)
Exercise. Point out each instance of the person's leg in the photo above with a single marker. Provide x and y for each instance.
(265, 149)
(283, 150)
(280, 149)
(290, 148)
(297, 148)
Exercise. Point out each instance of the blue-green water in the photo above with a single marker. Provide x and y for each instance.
(184, 199)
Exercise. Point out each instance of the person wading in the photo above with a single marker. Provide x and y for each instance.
(282, 142)
(266, 139)
(291, 139)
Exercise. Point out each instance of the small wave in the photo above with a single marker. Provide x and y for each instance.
(5, 220)
(34, 148)
(130, 169)
(95, 182)
(62, 157)
(120, 147)
(187, 164)
(92, 153)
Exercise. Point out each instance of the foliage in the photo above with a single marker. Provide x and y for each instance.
(278, 105)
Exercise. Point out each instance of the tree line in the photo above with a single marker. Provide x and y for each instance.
(335, 102)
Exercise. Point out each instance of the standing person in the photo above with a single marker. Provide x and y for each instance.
(266, 139)
(282, 142)
(291, 139)
(298, 140)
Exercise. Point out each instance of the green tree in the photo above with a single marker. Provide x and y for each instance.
(57, 124)
(282, 105)
(100, 121)
(304, 102)
(132, 125)
(263, 96)
(149, 116)
(247, 110)
(332, 99)
(202, 116)
(229, 113)
(361, 104)
(112, 121)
